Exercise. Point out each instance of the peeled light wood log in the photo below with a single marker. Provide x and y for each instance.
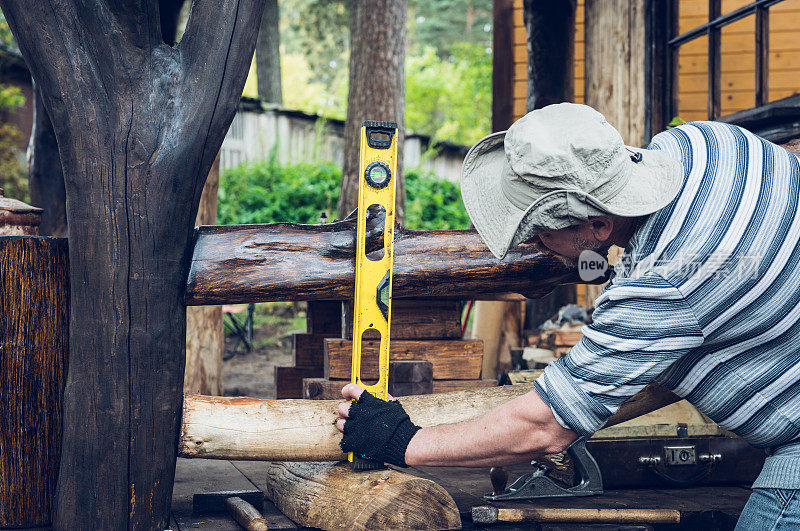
(286, 261)
(303, 430)
(333, 496)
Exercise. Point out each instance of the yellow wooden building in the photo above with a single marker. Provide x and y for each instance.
(737, 57)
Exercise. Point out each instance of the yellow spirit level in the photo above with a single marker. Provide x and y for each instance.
(373, 293)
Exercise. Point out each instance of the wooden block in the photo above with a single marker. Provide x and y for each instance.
(410, 377)
(308, 350)
(408, 371)
(324, 389)
(559, 338)
(410, 388)
(452, 360)
(417, 319)
(324, 317)
(289, 380)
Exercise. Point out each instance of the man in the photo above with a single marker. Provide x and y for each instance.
(706, 299)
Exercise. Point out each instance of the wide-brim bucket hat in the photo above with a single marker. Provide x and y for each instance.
(556, 167)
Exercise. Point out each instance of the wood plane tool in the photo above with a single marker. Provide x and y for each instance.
(373, 291)
(244, 506)
(538, 484)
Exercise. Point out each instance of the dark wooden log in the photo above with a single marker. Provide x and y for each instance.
(551, 51)
(285, 261)
(34, 343)
(138, 124)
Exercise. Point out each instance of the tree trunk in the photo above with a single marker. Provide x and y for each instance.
(45, 176)
(205, 337)
(303, 430)
(377, 55)
(333, 496)
(138, 125)
(268, 55)
(551, 51)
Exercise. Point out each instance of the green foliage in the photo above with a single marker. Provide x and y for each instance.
(6, 37)
(675, 122)
(444, 24)
(264, 192)
(448, 67)
(450, 98)
(13, 176)
(432, 203)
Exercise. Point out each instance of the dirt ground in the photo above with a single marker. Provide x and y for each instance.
(253, 373)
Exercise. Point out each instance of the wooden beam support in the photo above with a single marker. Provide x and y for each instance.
(303, 430)
(333, 496)
(285, 261)
(451, 359)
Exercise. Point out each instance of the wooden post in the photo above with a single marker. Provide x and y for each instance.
(205, 337)
(138, 124)
(551, 51)
(34, 342)
(615, 65)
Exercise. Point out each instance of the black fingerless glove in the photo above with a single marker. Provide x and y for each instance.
(378, 430)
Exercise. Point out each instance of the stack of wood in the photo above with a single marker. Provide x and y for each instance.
(323, 320)
(424, 330)
(559, 340)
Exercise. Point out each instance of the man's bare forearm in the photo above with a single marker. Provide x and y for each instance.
(515, 432)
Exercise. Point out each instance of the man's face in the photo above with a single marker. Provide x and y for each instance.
(571, 241)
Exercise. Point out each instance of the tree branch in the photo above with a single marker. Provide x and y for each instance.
(220, 36)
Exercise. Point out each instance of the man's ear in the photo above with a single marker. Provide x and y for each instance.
(602, 227)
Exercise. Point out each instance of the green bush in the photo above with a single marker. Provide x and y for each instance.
(264, 192)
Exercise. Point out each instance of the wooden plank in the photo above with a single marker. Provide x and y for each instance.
(451, 359)
(417, 319)
(289, 380)
(325, 389)
(503, 58)
(308, 349)
(324, 317)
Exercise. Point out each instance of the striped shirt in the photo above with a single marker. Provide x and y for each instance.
(706, 299)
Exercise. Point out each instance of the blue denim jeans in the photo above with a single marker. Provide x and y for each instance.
(771, 510)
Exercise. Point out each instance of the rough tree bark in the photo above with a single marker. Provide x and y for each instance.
(268, 55)
(138, 125)
(551, 49)
(45, 177)
(377, 54)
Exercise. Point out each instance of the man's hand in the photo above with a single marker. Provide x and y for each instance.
(374, 428)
